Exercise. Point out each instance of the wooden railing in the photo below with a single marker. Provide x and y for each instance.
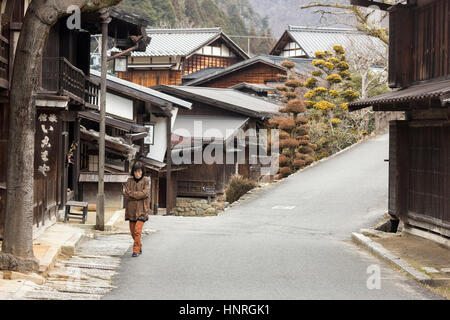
(61, 77)
(92, 92)
(4, 63)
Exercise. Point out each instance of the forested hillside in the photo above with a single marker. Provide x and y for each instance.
(282, 13)
(235, 17)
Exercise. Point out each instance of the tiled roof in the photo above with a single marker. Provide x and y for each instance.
(181, 42)
(438, 91)
(311, 40)
(200, 74)
(142, 89)
(228, 99)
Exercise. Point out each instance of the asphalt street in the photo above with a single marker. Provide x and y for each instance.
(290, 241)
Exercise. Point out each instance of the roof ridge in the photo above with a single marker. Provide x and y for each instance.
(185, 30)
(322, 29)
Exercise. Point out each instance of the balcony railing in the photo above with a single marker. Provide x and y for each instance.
(4, 63)
(59, 76)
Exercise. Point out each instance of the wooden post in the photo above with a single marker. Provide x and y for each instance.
(100, 223)
(169, 166)
(76, 165)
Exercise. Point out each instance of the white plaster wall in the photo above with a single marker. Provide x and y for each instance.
(158, 150)
(119, 106)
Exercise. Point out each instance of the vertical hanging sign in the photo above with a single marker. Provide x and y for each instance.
(46, 144)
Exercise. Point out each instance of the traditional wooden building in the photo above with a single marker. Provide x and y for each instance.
(136, 130)
(65, 90)
(419, 72)
(259, 70)
(218, 118)
(175, 53)
(303, 42)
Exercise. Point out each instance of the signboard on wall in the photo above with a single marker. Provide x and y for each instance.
(46, 144)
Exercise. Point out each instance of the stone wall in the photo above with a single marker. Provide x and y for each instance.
(194, 207)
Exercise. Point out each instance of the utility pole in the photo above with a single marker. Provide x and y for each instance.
(169, 165)
(249, 39)
(100, 223)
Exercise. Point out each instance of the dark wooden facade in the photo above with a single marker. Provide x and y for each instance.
(419, 155)
(150, 78)
(199, 62)
(258, 73)
(419, 42)
(65, 90)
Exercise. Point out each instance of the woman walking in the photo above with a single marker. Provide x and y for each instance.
(137, 193)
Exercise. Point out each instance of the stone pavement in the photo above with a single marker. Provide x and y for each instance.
(426, 256)
(76, 262)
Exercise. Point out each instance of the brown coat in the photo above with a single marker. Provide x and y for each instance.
(138, 199)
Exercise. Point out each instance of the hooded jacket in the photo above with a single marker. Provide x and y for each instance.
(137, 193)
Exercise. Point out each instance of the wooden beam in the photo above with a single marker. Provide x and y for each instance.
(369, 3)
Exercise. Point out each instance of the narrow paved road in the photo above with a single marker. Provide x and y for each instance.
(259, 251)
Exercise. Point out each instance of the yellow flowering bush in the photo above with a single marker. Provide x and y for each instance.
(309, 95)
(334, 93)
(335, 121)
(334, 78)
(343, 65)
(319, 54)
(350, 95)
(320, 90)
(329, 65)
(345, 74)
(324, 105)
(333, 60)
(330, 91)
(311, 83)
(339, 49)
(318, 62)
(344, 106)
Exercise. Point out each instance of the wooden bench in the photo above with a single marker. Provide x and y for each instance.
(76, 216)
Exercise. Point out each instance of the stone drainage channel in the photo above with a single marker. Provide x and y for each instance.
(88, 274)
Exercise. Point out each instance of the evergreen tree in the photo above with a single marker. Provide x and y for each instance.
(295, 146)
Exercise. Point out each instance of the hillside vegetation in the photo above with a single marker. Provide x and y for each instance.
(235, 17)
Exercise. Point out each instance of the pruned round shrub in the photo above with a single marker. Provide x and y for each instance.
(237, 187)
(285, 171)
(293, 83)
(290, 95)
(296, 106)
(286, 124)
(284, 161)
(284, 135)
(288, 64)
(289, 143)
